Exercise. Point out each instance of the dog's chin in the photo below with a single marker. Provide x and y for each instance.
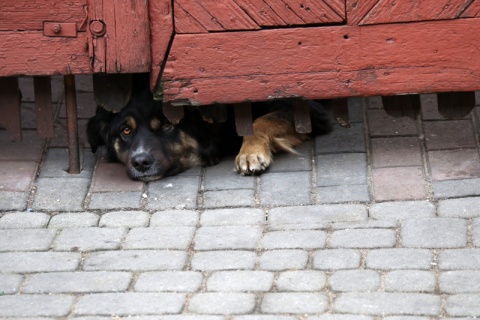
(144, 176)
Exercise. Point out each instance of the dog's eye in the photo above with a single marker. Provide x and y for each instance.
(126, 131)
(166, 126)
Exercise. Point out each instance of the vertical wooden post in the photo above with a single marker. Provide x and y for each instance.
(455, 105)
(406, 105)
(340, 112)
(43, 106)
(72, 125)
(301, 111)
(10, 102)
(243, 119)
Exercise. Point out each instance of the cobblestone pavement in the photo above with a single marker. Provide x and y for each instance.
(379, 221)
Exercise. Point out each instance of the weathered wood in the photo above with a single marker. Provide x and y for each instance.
(314, 11)
(406, 105)
(43, 106)
(173, 113)
(301, 113)
(112, 91)
(10, 106)
(455, 105)
(357, 9)
(324, 62)
(243, 119)
(340, 112)
(472, 11)
(72, 124)
(185, 22)
(261, 13)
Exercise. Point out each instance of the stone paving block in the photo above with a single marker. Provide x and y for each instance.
(399, 183)
(227, 281)
(454, 164)
(223, 177)
(333, 259)
(135, 260)
(35, 305)
(294, 302)
(341, 169)
(222, 303)
(89, 239)
(307, 280)
(228, 198)
(26, 239)
(124, 304)
(115, 200)
(55, 164)
(26, 262)
(396, 152)
(223, 260)
(349, 317)
(342, 140)
(464, 281)
(429, 109)
(24, 220)
(77, 282)
(60, 194)
(169, 317)
(294, 239)
(343, 194)
(476, 232)
(187, 218)
(73, 220)
(459, 259)
(283, 188)
(434, 233)
(449, 134)
(264, 317)
(410, 281)
(234, 216)
(382, 124)
(380, 303)
(374, 102)
(279, 260)
(401, 210)
(10, 200)
(129, 219)
(174, 281)
(399, 258)
(354, 280)
(463, 305)
(10, 283)
(159, 238)
(456, 188)
(173, 192)
(112, 177)
(365, 238)
(291, 162)
(368, 224)
(17, 175)
(227, 237)
(459, 208)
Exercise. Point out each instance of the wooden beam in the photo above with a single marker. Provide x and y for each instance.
(340, 112)
(301, 114)
(243, 119)
(43, 106)
(407, 105)
(10, 102)
(455, 105)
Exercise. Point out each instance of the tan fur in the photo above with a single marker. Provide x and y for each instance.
(132, 123)
(155, 124)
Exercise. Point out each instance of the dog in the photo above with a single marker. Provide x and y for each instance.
(151, 147)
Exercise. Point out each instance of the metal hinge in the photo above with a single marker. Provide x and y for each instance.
(65, 29)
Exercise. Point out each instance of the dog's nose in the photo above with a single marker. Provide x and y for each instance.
(142, 162)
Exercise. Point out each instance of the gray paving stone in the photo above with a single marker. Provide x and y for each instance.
(223, 177)
(73, 220)
(342, 140)
(264, 317)
(401, 210)
(463, 305)
(89, 239)
(380, 303)
(240, 281)
(223, 260)
(342, 194)
(229, 198)
(35, 305)
(283, 188)
(124, 304)
(354, 280)
(363, 238)
(476, 232)
(410, 281)
(464, 281)
(10, 283)
(399, 258)
(24, 220)
(159, 238)
(306, 280)
(227, 237)
(279, 260)
(169, 317)
(130, 219)
(77, 282)
(294, 302)
(222, 303)
(173, 192)
(459, 259)
(60, 194)
(290, 162)
(26, 239)
(25, 262)
(231, 217)
(333, 259)
(459, 208)
(135, 260)
(341, 169)
(187, 218)
(434, 233)
(13, 200)
(115, 200)
(55, 164)
(456, 188)
(294, 239)
(368, 224)
(175, 281)
(347, 317)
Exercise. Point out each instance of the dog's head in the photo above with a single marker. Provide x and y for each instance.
(143, 139)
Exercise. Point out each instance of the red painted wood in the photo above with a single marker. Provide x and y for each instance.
(10, 106)
(200, 14)
(261, 13)
(185, 22)
(378, 60)
(43, 106)
(314, 11)
(357, 9)
(285, 12)
(472, 11)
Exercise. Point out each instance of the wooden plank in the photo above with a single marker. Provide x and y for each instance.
(339, 6)
(407, 105)
(20, 54)
(301, 114)
(10, 117)
(200, 14)
(185, 22)
(357, 9)
(21, 15)
(402, 58)
(285, 12)
(455, 105)
(44, 106)
(243, 119)
(314, 11)
(472, 11)
(340, 112)
(173, 113)
(261, 13)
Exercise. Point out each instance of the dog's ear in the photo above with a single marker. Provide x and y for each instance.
(98, 127)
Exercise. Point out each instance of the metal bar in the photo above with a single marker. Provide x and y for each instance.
(243, 119)
(340, 112)
(10, 102)
(301, 113)
(43, 106)
(72, 126)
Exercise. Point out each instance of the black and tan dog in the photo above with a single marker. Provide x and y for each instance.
(151, 147)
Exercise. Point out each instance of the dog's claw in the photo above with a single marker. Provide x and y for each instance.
(252, 164)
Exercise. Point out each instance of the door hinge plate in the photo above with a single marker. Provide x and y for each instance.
(60, 29)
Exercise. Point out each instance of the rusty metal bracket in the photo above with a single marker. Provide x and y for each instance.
(57, 29)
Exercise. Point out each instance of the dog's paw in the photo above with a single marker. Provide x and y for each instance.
(252, 161)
